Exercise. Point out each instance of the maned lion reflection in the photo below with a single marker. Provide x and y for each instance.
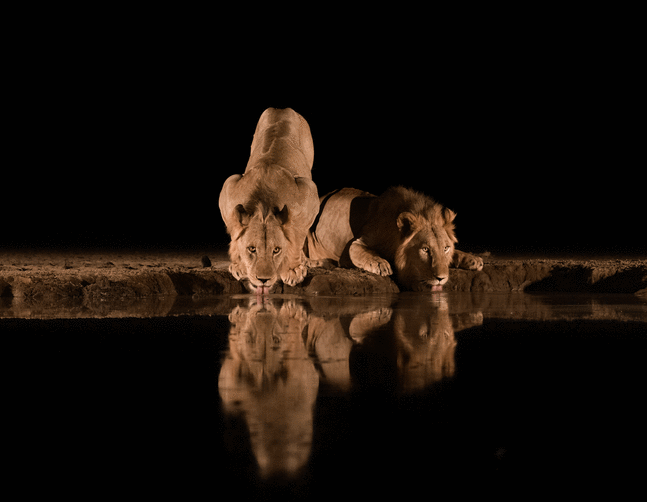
(269, 379)
(426, 344)
(414, 347)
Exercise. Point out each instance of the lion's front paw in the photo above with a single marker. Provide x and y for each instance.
(467, 261)
(365, 258)
(377, 266)
(237, 271)
(295, 276)
(474, 263)
(326, 263)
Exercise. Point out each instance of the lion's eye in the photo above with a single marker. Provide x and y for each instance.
(447, 248)
(251, 249)
(277, 250)
(425, 249)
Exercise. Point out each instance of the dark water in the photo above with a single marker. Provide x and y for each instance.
(292, 397)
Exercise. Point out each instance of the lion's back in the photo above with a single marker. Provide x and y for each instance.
(283, 137)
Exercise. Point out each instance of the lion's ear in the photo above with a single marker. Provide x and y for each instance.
(407, 222)
(242, 215)
(448, 215)
(282, 215)
(237, 315)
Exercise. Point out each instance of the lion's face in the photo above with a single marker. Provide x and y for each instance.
(260, 247)
(425, 252)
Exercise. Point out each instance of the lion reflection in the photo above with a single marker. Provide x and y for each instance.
(426, 344)
(281, 355)
(409, 348)
(269, 379)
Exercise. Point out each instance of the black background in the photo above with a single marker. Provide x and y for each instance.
(123, 134)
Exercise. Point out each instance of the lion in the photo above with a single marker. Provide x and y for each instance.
(402, 233)
(270, 207)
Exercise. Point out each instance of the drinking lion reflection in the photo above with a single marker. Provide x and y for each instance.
(283, 352)
(269, 379)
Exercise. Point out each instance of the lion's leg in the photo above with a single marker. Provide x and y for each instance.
(365, 258)
(295, 271)
(365, 323)
(466, 261)
(294, 268)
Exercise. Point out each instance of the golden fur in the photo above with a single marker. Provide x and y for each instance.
(401, 232)
(269, 209)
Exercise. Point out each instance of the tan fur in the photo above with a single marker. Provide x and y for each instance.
(269, 208)
(401, 232)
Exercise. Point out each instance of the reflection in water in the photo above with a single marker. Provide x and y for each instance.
(426, 345)
(282, 350)
(269, 380)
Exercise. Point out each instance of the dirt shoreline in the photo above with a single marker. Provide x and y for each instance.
(96, 277)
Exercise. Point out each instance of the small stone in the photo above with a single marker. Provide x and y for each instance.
(206, 262)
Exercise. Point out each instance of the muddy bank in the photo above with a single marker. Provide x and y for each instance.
(554, 276)
(104, 282)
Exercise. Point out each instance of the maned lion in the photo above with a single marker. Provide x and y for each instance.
(269, 209)
(400, 231)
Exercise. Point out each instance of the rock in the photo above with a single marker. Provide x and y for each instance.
(130, 286)
(341, 281)
(205, 282)
(552, 276)
(5, 289)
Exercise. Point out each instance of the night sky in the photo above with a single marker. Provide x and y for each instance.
(531, 144)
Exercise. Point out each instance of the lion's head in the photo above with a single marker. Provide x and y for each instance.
(260, 245)
(425, 249)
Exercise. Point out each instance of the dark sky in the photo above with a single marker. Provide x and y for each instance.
(530, 144)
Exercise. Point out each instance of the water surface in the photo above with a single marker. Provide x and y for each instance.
(296, 396)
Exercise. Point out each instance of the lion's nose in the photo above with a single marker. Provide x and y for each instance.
(263, 280)
(441, 278)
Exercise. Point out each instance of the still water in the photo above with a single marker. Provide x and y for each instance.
(294, 396)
